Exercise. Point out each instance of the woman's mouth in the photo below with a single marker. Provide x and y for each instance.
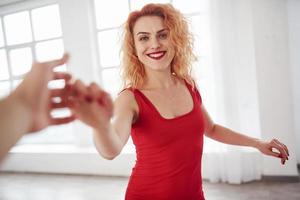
(156, 55)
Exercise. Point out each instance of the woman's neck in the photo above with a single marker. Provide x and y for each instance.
(160, 80)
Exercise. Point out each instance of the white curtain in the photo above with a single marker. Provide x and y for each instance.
(234, 74)
(231, 164)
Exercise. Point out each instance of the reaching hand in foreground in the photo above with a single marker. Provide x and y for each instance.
(28, 108)
(35, 97)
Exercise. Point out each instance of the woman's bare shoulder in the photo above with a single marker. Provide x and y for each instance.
(126, 96)
(126, 101)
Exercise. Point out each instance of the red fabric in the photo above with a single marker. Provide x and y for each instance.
(169, 153)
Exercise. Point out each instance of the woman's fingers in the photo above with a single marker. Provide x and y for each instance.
(280, 148)
(283, 154)
(272, 153)
(80, 90)
(283, 146)
(97, 93)
(108, 100)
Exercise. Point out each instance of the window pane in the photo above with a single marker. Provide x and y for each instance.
(200, 29)
(49, 50)
(16, 83)
(21, 60)
(4, 89)
(62, 68)
(112, 81)
(3, 66)
(190, 6)
(111, 13)
(46, 22)
(1, 35)
(18, 28)
(109, 47)
(56, 84)
(138, 4)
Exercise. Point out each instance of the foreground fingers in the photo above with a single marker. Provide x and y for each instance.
(58, 62)
(62, 75)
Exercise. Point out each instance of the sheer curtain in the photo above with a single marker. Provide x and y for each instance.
(233, 65)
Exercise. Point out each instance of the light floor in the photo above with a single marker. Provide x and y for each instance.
(64, 187)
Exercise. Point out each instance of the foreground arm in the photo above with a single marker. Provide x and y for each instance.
(27, 109)
(227, 136)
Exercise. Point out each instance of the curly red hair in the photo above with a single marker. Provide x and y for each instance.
(133, 71)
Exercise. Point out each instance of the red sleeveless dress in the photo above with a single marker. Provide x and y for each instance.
(169, 152)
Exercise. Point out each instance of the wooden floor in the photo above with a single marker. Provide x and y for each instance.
(65, 187)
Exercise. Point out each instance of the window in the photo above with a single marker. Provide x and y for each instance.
(28, 35)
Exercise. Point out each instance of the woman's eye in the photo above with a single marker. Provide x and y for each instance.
(163, 36)
(143, 38)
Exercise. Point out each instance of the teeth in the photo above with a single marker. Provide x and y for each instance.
(156, 55)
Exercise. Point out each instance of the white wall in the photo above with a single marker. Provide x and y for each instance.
(294, 49)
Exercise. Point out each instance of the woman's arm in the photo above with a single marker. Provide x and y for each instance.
(110, 121)
(110, 145)
(227, 136)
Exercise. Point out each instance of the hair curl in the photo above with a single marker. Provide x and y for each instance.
(133, 71)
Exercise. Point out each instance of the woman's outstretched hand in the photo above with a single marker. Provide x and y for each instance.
(274, 148)
(91, 105)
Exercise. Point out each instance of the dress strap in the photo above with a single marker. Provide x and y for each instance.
(194, 90)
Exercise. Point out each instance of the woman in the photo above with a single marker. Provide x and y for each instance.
(161, 108)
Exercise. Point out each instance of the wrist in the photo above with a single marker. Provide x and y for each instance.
(20, 97)
(103, 128)
(256, 143)
(19, 109)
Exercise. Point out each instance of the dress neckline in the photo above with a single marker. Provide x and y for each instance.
(174, 118)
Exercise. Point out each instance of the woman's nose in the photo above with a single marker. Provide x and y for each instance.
(155, 43)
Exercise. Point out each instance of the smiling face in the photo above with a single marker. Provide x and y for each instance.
(152, 44)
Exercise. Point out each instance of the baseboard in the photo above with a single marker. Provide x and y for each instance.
(286, 179)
